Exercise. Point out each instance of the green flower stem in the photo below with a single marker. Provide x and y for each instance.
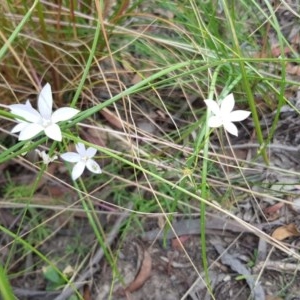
(93, 220)
(88, 64)
(204, 184)
(245, 82)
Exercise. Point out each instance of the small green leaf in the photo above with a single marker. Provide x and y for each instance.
(51, 275)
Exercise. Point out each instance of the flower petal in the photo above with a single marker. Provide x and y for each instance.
(15, 106)
(239, 115)
(90, 152)
(63, 114)
(93, 166)
(78, 170)
(19, 127)
(227, 104)
(71, 157)
(28, 103)
(30, 131)
(215, 122)
(25, 111)
(53, 132)
(213, 106)
(45, 157)
(231, 128)
(45, 102)
(80, 148)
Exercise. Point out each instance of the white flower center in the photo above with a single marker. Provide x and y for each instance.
(85, 158)
(46, 122)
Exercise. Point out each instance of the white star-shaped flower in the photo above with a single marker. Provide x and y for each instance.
(36, 121)
(223, 114)
(45, 157)
(82, 159)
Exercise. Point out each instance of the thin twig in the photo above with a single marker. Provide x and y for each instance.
(20, 292)
(278, 266)
(192, 226)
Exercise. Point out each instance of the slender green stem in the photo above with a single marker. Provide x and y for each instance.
(17, 30)
(5, 287)
(204, 184)
(245, 82)
(88, 64)
(89, 210)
